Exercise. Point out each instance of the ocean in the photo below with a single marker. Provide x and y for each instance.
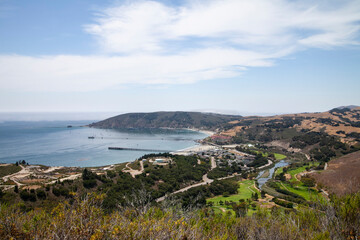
(53, 143)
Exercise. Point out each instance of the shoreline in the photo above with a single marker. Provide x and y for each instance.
(194, 148)
(206, 132)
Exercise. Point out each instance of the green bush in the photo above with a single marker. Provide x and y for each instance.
(41, 194)
(26, 196)
(90, 183)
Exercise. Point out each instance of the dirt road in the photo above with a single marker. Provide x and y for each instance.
(134, 172)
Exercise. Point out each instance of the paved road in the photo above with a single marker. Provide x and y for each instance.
(206, 180)
(268, 164)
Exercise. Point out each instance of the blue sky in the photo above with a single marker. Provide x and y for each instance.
(231, 56)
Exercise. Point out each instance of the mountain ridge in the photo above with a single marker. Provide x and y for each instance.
(167, 119)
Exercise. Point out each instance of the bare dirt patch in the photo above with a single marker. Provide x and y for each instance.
(32, 187)
(30, 181)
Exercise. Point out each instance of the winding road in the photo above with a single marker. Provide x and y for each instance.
(205, 181)
(134, 172)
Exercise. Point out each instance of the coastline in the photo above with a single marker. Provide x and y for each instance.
(206, 132)
(194, 149)
(194, 145)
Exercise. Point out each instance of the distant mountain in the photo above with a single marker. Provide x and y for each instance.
(199, 120)
(347, 107)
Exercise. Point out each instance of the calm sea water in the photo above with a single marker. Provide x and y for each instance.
(54, 144)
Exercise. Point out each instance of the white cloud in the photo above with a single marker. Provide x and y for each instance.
(87, 73)
(152, 26)
(147, 42)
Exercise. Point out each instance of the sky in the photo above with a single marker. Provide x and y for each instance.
(230, 56)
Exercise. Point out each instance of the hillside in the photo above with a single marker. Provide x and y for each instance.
(342, 174)
(342, 122)
(209, 121)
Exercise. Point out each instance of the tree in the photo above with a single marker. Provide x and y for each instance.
(41, 194)
(240, 209)
(262, 193)
(308, 182)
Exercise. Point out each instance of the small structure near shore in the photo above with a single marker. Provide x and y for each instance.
(160, 161)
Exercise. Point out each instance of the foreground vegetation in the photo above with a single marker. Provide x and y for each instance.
(86, 219)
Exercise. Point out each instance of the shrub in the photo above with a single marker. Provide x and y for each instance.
(283, 203)
(41, 194)
(308, 182)
(26, 196)
(90, 183)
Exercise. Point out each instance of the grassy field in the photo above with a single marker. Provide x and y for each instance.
(279, 156)
(245, 190)
(298, 170)
(300, 189)
(297, 186)
(278, 171)
(10, 169)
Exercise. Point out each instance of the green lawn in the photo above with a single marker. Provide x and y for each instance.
(296, 171)
(278, 171)
(279, 156)
(244, 192)
(298, 187)
(301, 190)
(300, 169)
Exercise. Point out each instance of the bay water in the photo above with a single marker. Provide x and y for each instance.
(55, 143)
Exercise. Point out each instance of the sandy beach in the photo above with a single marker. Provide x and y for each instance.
(207, 132)
(194, 149)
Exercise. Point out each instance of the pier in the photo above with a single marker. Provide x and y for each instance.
(138, 149)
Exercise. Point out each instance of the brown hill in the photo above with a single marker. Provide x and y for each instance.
(342, 175)
(340, 122)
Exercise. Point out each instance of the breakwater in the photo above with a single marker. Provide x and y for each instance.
(138, 149)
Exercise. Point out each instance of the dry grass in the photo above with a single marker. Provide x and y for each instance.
(310, 123)
(342, 175)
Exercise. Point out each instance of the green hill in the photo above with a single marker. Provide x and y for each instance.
(167, 120)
